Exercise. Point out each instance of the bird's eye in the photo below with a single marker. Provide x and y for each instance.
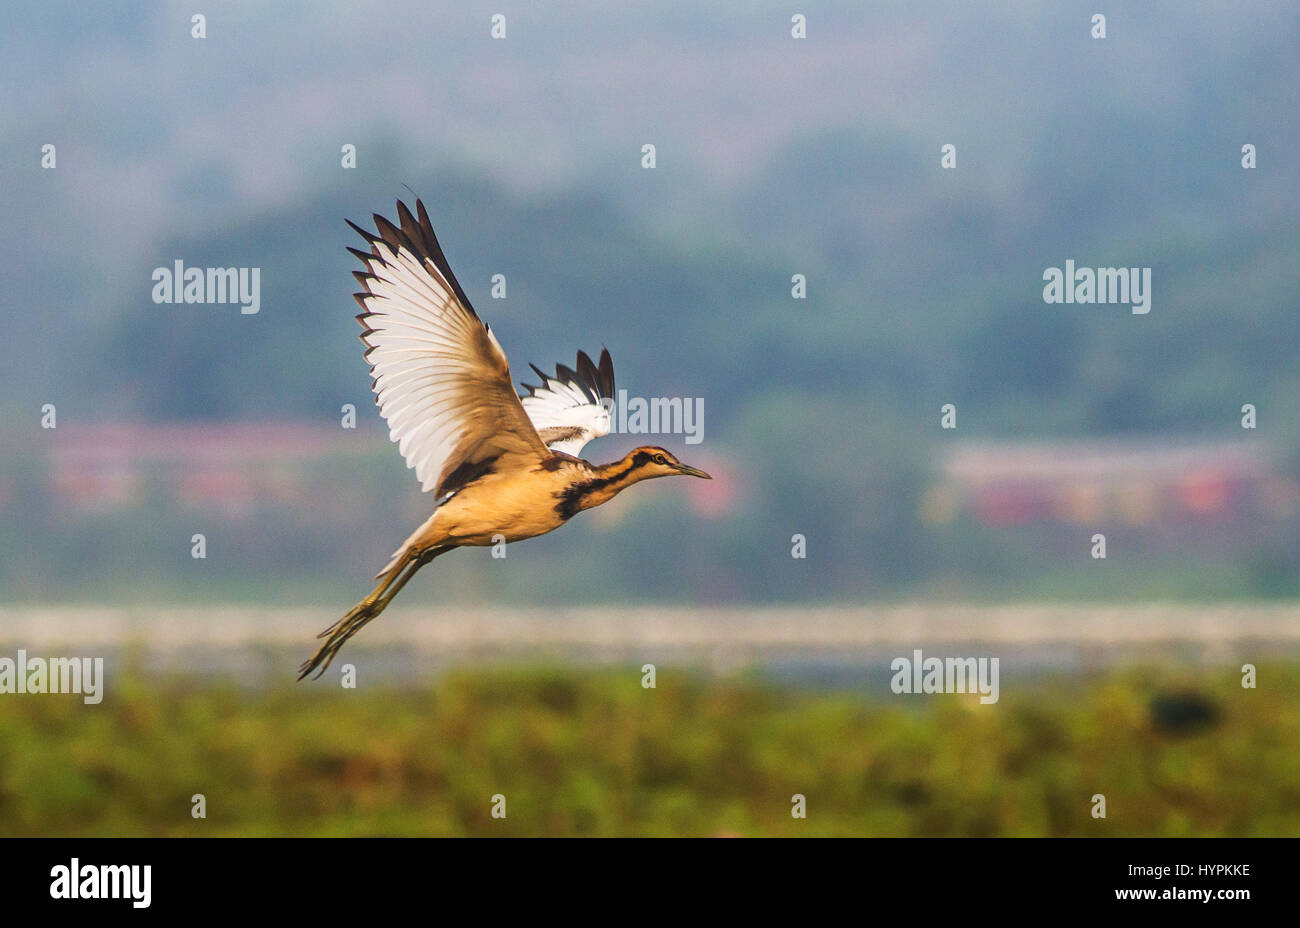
(659, 459)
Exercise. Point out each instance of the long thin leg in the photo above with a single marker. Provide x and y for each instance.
(393, 581)
(385, 581)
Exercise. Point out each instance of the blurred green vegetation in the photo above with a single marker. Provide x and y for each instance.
(591, 752)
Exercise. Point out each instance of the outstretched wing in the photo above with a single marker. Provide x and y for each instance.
(441, 379)
(573, 407)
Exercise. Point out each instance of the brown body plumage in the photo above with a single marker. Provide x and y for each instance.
(443, 383)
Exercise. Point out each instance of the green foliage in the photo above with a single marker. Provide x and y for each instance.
(592, 753)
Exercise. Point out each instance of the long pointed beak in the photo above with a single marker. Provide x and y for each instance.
(692, 471)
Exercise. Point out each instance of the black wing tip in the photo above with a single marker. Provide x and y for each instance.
(606, 372)
(413, 233)
(532, 391)
(409, 223)
(392, 234)
(370, 237)
(597, 381)
(590, 376)
(599, 377)
(422, 215)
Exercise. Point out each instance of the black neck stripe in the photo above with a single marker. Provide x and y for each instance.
(572, 497)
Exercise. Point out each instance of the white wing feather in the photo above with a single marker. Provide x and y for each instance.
(573, 407)
(441, 378)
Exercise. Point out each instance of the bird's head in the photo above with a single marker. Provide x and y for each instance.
(647, 462)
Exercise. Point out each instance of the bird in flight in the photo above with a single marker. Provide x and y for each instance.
(500, 465)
